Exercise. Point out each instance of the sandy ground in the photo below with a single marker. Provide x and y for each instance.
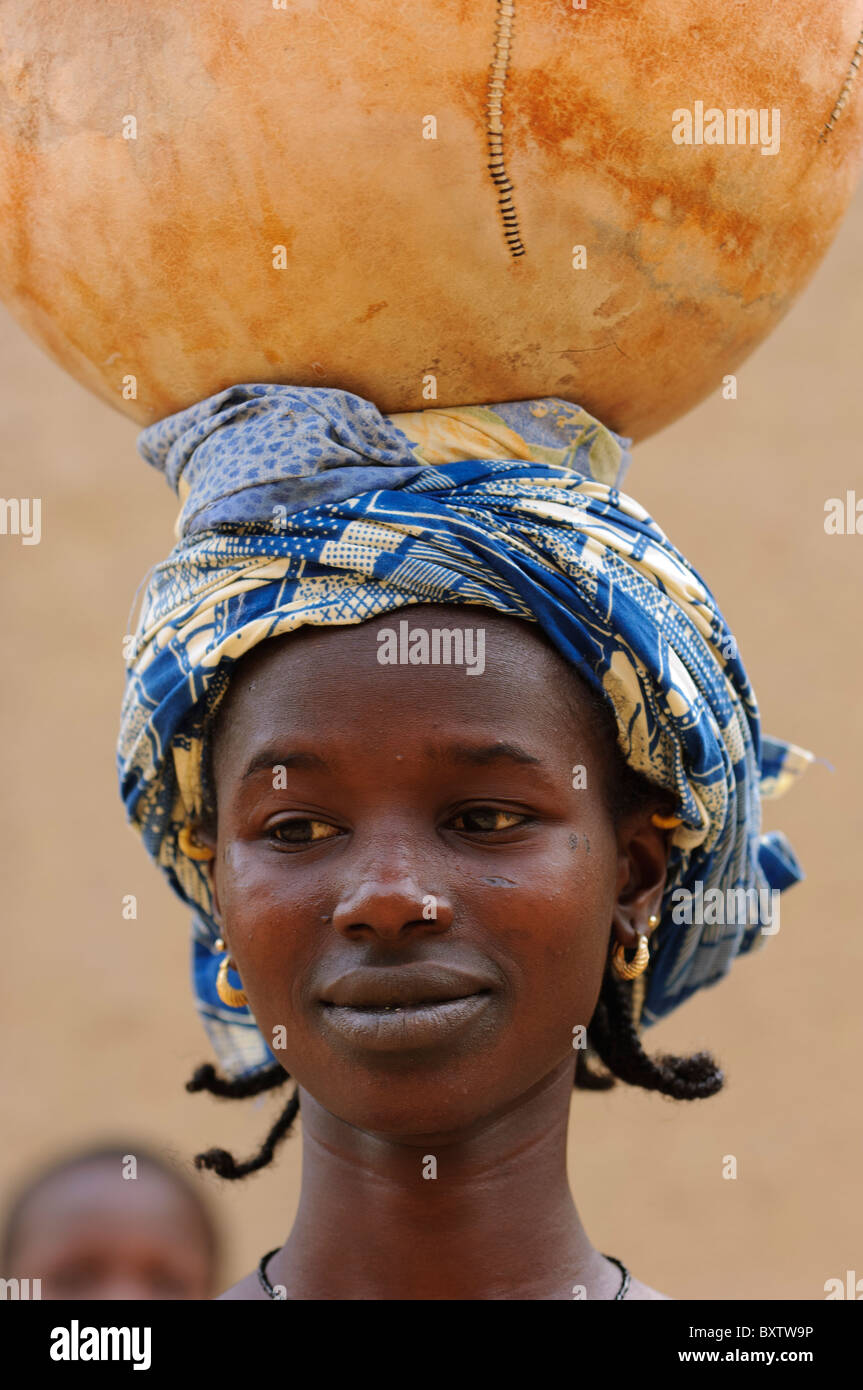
(98, 1029)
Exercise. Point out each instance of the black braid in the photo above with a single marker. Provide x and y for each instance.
(612, 1035)
(206, 1078)
(222, 1163)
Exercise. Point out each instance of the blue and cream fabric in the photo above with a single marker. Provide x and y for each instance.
(304, 505)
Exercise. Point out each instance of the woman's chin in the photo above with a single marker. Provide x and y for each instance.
(407, 1115)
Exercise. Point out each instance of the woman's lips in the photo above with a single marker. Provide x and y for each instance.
(399, 1027)
(408, 983)
(405, 1006)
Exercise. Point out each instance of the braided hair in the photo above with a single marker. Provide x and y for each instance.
(613, 1050)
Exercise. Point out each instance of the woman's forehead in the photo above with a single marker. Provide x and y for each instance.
(433, 670)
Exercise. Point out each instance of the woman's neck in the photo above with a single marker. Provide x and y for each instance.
(486, 1215)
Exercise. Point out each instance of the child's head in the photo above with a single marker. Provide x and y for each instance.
(112, 1222)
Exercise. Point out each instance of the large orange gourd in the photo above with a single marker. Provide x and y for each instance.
(193, 195)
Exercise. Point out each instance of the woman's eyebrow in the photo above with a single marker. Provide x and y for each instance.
(475, 755)
(480, 755)
(271, 758)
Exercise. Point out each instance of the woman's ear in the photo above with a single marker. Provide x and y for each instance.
(643, 864)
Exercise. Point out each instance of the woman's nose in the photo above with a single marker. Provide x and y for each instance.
(388, 898)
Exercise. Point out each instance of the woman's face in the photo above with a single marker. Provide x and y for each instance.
(393, 838)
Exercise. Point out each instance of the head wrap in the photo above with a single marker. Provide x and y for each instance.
(303, 505)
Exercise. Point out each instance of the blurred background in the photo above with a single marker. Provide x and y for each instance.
(99, 1031)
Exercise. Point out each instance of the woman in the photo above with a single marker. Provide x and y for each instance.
(422, 842)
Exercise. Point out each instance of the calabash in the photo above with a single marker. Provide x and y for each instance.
(426, 204)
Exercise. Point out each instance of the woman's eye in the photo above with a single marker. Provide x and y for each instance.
(487, 819)
(302, 832)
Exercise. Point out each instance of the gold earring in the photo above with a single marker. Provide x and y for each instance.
(627, 970)
(190, 846)
(653, 920)
(234, 998)
(666, 822)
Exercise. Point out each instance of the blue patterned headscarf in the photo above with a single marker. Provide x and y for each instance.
(304, 505)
